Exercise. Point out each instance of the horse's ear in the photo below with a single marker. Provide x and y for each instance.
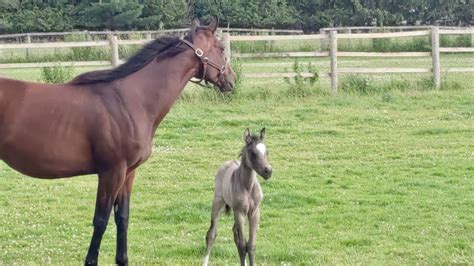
(262, 134)
(213, 25)
(247, 137)
(194, 26)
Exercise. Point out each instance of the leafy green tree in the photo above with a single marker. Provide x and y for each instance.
(112, 15)
(251, 13)
(157, 13)
(309, 15)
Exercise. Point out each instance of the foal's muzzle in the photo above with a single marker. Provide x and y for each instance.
(267, 172)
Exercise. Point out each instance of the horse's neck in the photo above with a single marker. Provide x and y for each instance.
(247, 176)
(157, 86)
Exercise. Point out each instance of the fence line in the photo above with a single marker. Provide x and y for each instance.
(385, 28)
(333, 53)
(28, 36)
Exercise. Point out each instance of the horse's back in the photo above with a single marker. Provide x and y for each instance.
(223, 184)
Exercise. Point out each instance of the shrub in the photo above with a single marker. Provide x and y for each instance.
(300, 86)
(57, 74)
(237, 67)
(459, 41)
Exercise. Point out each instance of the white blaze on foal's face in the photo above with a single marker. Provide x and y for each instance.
(261, 148)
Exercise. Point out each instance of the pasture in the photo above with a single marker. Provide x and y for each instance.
(379, 177)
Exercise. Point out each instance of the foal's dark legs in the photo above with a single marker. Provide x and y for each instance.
(121, 210)
(217, 205)
(110, 183)
(253, 226)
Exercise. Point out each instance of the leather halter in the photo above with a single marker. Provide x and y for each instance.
(205, 62)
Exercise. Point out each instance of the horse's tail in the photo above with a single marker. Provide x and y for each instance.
(227, 209)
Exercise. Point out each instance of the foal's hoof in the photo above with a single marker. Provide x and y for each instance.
(90, 263)
(122, 262)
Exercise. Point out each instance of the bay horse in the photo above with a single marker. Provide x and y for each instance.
(103, 122)
(237, 188)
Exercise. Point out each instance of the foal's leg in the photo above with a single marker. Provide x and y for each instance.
(239, 238)
(121, 209)
(109, 184)
(217, 205)
(253, 226)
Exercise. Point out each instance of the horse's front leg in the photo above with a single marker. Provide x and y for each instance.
(253, 226)
(122, 210)
(110, 183)
(239, 238)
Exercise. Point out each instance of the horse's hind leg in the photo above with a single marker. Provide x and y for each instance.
(253, 226)
(217, 205)
(121, 210)
(239, 238)
(110, 183)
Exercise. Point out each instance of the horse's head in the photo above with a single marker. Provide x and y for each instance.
(215, 67)
(255, 154)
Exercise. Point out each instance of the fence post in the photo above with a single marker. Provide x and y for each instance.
(148, 35)
(115, 50)
(435, 56)
(28, 40)
(226, 41)
(86, 35)
(333, 57)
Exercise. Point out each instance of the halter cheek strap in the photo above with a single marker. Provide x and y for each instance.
(205, 62)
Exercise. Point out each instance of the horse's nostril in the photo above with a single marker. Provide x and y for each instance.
(268, 170)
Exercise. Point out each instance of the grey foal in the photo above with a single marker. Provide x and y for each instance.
(237, 188)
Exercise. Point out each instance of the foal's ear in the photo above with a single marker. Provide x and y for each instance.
(262, 134)
(247, 137)
(214, 23)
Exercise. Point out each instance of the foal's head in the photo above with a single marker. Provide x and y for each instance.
(255, 154)
(216, 68)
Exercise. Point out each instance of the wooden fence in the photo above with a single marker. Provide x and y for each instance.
(104, 35)
(333, 53)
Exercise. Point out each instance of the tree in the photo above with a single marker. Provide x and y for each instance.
(113, 15)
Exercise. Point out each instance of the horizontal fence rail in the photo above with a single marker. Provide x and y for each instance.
(330, 35)
(28, 36)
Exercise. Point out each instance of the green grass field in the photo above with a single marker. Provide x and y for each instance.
(381, 178)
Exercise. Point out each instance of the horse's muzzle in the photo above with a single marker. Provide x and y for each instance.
(226, 86)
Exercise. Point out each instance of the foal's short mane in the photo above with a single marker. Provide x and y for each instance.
(253, 139)
(166, 46)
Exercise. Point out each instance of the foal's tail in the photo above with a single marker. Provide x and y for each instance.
(227, 209)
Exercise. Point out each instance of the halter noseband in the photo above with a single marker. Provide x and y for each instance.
(205, 62)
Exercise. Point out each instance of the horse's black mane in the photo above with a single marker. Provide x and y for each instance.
(165, 47)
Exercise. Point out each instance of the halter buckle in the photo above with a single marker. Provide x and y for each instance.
(199, 52)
